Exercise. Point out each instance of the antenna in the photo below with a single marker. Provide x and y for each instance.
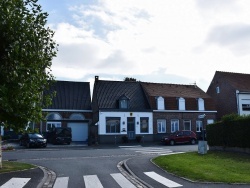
(194, 84)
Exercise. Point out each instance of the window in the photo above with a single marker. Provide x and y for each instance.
(181, 103)
(161, 126)
(201, 104)
(187, 125)
(123, 102)
(210, 121)
(53, 116)
(246, 107)
(52, 125)
(217, 89)
(76, 116)
(199, 126)
(144, 125)
(160, 103)
(113, 124)
(174, 125)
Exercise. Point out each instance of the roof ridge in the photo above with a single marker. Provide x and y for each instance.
(233, 72)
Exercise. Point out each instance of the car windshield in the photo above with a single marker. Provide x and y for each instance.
(35, 136)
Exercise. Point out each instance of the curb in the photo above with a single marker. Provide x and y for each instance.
(48, 179)
(126, 172)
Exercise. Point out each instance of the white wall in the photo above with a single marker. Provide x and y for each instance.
(124, 116)
(243, 99)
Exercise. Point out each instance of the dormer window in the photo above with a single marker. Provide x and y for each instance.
(181, 102)
(201, 104)
(123, 102)
(160, 103)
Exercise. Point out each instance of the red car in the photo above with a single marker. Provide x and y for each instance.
(180, 137)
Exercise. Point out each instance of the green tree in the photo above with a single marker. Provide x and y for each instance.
(26, 52)
(128, 79)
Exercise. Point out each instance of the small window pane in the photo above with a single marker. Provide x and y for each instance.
(161, 126)
(144, 125)
(187, 125)
(174, 125)
(199, 126)
(112, 125)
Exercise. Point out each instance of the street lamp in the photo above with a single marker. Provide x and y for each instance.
(202, 145)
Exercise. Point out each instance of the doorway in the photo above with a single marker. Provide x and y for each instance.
(131, 128)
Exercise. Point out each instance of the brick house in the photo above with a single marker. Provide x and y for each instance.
(231, 93)
(178, 107)
(120, 108)
(149, 110)
(71, 107)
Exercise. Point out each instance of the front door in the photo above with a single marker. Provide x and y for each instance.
(131, 128)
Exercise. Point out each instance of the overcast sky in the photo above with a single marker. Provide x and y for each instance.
(163, 41)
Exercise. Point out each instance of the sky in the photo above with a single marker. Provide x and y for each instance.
(161, 41)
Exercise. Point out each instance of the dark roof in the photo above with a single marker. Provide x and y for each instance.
(71, 95)
(239, 81)
(107, 94)
(174, 90)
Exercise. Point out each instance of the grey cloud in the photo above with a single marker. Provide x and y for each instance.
(116, 60)
(236, 37)
(77, 55)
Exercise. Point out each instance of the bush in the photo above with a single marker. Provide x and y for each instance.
(232, 131)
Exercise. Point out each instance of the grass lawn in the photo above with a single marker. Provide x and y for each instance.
(9, 166)
(214, 166)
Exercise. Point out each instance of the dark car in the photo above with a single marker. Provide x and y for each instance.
(60, 135)
(33, 140)
(180, 137)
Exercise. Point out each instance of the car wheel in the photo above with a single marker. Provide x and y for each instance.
(171, 142)
(193, 141)
(68, 143)
(28, 145)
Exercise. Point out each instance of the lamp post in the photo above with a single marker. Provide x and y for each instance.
(202, 145)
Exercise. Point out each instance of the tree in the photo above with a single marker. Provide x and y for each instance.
(26, 52)
(128, 79)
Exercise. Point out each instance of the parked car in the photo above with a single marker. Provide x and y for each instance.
(180, 137)
(60, 135)
(33, 140)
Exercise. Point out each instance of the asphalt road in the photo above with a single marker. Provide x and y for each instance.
(76, 166)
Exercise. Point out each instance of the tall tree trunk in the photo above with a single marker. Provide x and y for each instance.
(1, 165)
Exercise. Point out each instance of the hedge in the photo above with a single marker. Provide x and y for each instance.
(230, 132)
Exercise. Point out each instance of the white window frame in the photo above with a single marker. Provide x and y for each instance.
(160, 103)
(187, 121)
(174, 125)
(201, 106)
(56, 124)
(199, 126)
(161, 126)
(181, 102)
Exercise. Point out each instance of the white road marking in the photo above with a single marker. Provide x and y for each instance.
(16, 183)
(172, 153)
(92, 181)
(122, 181)
(61, 182)
(162, 179)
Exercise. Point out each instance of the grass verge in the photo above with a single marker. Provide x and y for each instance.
(10, 166)
(214, 166)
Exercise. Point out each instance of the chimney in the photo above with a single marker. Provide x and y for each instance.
(96, 78)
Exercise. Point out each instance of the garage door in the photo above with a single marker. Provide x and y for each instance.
(79, 131)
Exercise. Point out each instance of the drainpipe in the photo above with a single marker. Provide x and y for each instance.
(237, 101)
